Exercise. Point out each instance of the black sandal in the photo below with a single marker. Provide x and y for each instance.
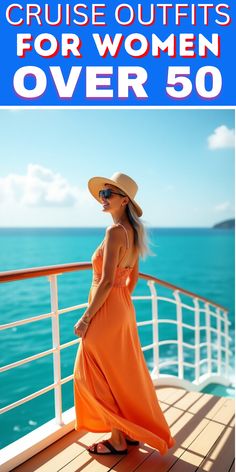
(132, 442)
(109, 446)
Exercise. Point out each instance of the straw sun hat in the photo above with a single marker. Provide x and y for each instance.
(122, 181)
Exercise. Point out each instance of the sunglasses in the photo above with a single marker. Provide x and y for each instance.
(107, 193)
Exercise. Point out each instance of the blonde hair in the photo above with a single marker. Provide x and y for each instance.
(141, 239)
(140, 235)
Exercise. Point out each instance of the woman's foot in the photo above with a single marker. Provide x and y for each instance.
(101, 448)
(131, 441)
(129, 437)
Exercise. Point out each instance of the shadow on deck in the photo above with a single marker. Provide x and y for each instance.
(202, 424)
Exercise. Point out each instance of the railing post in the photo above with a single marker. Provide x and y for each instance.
(226, 343)
(56, 345)
(197, 340)
(155, 327)
(179, 334)
(219, 367)
(208, 338)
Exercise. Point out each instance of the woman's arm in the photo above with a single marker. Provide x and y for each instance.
(133, 277)
(112, 244)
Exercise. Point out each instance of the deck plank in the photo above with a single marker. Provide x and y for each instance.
(169, 394)
(176, 394)
(220, 455)
(62, 451)
(232, 422)
(198, 449)
(226, 413)
(201, 423)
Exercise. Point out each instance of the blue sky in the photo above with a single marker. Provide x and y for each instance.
(182, 160)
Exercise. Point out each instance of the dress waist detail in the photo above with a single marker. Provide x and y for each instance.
(120, 278)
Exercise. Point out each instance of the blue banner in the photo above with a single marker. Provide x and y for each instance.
(117, 54)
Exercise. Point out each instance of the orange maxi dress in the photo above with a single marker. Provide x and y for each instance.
(112, 384)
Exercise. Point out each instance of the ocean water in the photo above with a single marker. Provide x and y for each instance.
(200, 260)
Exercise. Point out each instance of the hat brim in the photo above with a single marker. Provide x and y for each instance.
(96, 183)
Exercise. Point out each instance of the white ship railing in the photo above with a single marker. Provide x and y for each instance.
(212, 311)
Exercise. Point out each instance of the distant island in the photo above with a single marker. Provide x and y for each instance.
(227, 224)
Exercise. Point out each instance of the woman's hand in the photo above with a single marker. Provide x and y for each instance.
(80, 328)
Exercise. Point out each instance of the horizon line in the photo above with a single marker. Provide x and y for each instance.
(102, 227)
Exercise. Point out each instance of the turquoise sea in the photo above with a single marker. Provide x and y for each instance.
(200, 260)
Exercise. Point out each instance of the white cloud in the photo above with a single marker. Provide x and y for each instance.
(40, 186)
(222, 206)
(221, 138)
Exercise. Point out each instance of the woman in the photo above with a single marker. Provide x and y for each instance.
(113, 390)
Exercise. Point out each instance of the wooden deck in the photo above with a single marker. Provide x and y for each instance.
(202, 424)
